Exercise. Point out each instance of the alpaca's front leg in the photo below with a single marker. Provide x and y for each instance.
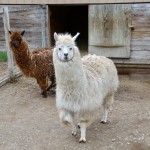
(84, 121)
(83, 132)
(67, 118)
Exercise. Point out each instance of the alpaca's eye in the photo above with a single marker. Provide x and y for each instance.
(60, 49)
(70, 48)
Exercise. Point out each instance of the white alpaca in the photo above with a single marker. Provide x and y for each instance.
(83, 85)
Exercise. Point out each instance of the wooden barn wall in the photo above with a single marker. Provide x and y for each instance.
(140, 39)
(30, 18)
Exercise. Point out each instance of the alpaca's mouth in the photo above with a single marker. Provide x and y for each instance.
(66, 59)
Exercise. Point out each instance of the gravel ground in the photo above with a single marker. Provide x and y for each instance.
(30, 122)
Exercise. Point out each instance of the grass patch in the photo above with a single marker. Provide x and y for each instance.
(3, 56)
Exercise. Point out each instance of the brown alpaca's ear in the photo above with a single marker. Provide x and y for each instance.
(22, 33)
(10, 32)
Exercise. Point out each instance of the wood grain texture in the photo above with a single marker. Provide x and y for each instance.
(140, 37)
(109, 34)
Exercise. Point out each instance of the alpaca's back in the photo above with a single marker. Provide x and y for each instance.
(42, 59)
(101, 74)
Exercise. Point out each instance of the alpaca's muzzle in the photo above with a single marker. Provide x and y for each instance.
(14, 43)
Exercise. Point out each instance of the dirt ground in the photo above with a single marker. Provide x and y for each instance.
(30, 122)
(3, 70)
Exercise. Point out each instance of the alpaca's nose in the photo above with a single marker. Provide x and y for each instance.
(14, 43)
(66, 54)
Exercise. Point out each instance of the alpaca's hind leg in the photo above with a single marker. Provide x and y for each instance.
(53, 82)
(68, 119)
(108, 101)
(43, 83)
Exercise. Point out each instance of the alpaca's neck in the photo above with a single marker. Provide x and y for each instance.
(71, 72)
(23, 57)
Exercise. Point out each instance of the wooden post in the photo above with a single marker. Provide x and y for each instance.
(43, 26)
(9, 52)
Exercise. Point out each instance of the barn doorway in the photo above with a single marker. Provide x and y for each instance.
(71, 19)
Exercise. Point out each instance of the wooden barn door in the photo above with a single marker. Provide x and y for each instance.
(109, 30)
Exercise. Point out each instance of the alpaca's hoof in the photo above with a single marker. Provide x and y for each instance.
(44, 96)
(52, 92)
(82, 140)
(79, 125)
(74, 133)
(44, 93)
(104, 122)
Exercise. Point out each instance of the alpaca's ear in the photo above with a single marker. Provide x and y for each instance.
(10, 32)
(75, 37)
(22, 33)
(55, 36)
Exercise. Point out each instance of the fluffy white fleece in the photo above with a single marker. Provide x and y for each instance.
(83, 84)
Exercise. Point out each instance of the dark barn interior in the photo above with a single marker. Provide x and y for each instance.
(70, 19)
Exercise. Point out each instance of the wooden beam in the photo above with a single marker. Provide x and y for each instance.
(69, 1)
(9, 52)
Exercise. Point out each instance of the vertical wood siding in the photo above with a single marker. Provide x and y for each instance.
(28, 18)
(140, 39)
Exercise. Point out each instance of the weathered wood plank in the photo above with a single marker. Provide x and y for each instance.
(140, 47)
(141, 17)
(17, 8)
(132, 61)
(140, 55)
(141, 5)
(140, 42)
(141, 35)
(142, 28)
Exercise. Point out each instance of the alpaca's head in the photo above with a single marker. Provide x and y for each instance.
(65, 46)
(16, 38)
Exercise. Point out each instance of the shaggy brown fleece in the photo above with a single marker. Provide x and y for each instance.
(37, 64)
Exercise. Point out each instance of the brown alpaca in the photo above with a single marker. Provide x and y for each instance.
(37, 64)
